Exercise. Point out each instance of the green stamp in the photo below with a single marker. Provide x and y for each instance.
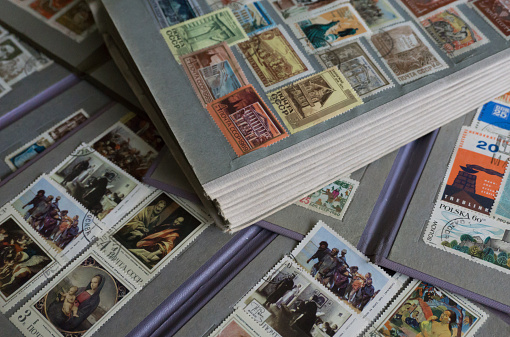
(203, 32)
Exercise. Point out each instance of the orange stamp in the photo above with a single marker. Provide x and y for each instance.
(245, 120)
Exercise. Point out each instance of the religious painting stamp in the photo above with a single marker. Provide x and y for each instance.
(406, 52)
(336, 264)
(31, 149)
(496, 13)
(16, 62)
(172, 12)
(331, 200)
(245, 120)
(425, 310)
(377, 13)
(152, 234)
(77, 22)
(202, 32)
(476, 171)
(213, 72)
(359, 68)
(312, 100)
(49, 8)
(330, 28)
(252, 17)
(452, 31)
(78, 300)
(274, 59)
(419, 8)
(292, 10)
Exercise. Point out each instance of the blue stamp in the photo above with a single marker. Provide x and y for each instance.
(172, 12)
(252, 17)
(496, 114)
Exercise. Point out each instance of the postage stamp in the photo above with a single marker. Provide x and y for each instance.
(30, 150)
(65, 225)
(452, 31)
(289, 302)
(406, 52)
(76, 22)
(331, 200)
(419, 8)
(505, 99)
(361, 71)
(152, 234)
(292, 10)
(377, 13)
(245, 120)
(493, 117)
(314, 99)
(143, 127)
(337, 265)
(501, 209)
(49, 8)
(330, 28)
(424, 310)
(274, 58)
(253, 17)
(475, 171)
(213, 72)
(235, 326)
(16, 62)
(27, 261)
(496, 13)
(172, 12)
(4, 87)
(78, 300)
(204, 31)
(125, 149)
(102, 187)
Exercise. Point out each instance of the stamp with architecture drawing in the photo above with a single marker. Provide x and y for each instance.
(406, 52)
(172, 12)
(252, 16)
(329, 28)
(496, 13)
(79, 300)
(314, 99)
(419, 8)
(354, 62)
(152, 234)
(292, 10)
(204, 31)
(245, 120)
(333, 199)
(213, 72)
(377, 13)
(452, 31)
(274, 58)
(425, 310)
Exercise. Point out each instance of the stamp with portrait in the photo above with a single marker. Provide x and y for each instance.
(104, 189)
(172, 12)
(314, 99)
(452, 31)
(329, 28)
(77, 21)
(213, 72)
(333, 199)
(274, 58)
(79, 300)
(245, 120)
(33, 148)
(377, 13)
(425, 310)
(419, 8)
(406, 52)
(16, 62)
(361, 285)
(361, 71)
(152, 234)
(202, 32)
(496, 13)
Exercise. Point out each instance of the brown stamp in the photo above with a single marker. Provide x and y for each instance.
(423, 7)
(497, 13)
(245, 120)
(213, 72)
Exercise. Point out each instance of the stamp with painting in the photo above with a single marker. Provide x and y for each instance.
(377, 13)
(27, 260)
(63, 223)
(333, 199)
(406, 52)
(314, 99)
(48, 9)
(274, 58)
(213, 72)
(292, 10)
(153, 233)
(16, 62)
(143, 127)
(418, 8)
(245, 120)
(496, 13)
(452, 31)
(361, 71)
(172, 12)
(425, 310)
(329, 28)
(104, 189)
(361, 285)
(76, 22)
(78, 301)
(204, 31)
(31, 149)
